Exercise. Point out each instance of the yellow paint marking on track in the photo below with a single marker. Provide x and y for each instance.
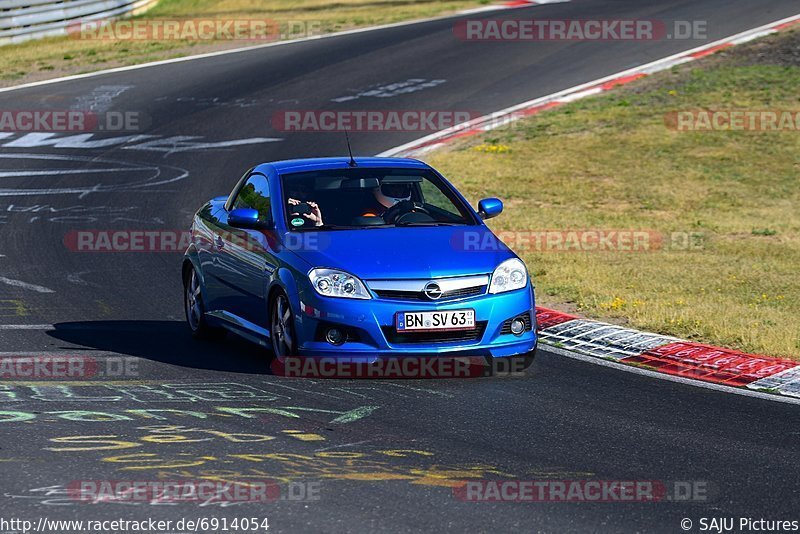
(105, 309)
(17, 306)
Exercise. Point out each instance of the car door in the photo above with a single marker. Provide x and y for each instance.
(206, 231)
(212, 229)
(246, 257)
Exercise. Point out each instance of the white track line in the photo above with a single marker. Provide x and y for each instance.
(27, 327)
(25, 285)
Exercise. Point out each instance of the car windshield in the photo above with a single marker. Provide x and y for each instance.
(370, 198)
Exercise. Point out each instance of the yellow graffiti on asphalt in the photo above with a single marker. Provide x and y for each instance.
(164, 434)
(304, 436)
(150, 460)
(99, 443)
(175, 434)
(374, 466)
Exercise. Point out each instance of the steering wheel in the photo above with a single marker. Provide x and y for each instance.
(404, 207)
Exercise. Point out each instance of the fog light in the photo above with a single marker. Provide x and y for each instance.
(517, 326)
(334, 336)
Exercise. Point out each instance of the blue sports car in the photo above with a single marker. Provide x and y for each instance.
(358, 258)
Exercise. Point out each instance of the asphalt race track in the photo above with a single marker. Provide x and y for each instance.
(384, 454)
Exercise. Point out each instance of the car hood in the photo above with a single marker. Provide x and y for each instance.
(395, 253)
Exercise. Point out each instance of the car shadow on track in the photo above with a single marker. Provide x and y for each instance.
(170, 342)
(167, 342)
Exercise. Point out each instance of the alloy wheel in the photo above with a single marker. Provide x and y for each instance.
(282, 333)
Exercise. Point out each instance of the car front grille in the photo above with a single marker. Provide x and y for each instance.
(419, 295)
(395, 337)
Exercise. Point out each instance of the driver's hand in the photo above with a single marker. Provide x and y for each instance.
(316, 215)
(402, 207)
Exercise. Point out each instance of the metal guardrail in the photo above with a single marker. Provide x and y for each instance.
(21, 20)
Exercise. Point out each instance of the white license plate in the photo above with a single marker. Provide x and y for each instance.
(436, 320)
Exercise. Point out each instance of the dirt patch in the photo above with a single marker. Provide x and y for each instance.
(783, 51)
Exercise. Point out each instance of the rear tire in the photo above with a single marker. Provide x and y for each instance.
(195, 311)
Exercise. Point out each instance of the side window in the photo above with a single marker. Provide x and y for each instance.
(254, 194)
(434, 196)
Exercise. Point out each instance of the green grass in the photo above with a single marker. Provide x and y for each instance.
(58, 56)
(610, 162)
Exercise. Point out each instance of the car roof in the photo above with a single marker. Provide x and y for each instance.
(317, 164)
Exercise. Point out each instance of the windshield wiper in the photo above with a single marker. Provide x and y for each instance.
(327, 227)
(431, 223)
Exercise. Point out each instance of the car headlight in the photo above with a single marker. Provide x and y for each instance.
(334, 283)
(509, 275)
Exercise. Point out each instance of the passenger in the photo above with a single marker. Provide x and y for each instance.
(308, 210)
(300, 206)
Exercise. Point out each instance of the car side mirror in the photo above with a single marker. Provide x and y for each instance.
(490, 207)
(246, 218)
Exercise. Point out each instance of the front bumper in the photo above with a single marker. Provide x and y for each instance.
(372, 335)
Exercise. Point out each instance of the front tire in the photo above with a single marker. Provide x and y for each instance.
(195, 309)
(524, 361)
(513, 365)
(282, 332)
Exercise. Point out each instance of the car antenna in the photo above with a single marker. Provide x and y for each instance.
(352, 161)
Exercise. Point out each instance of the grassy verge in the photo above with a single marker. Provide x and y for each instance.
(610, 162)
(58, 56)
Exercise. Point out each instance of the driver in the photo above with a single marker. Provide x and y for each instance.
(387, 195)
